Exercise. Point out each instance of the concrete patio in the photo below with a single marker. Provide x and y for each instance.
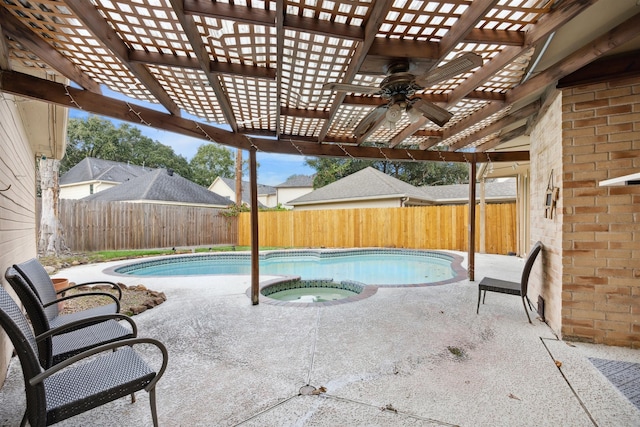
(402, 357)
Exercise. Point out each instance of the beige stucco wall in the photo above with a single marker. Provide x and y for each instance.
(546, 170)
(17, 204)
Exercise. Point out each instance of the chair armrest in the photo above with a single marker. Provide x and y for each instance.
(107, 347)
(103, 282)
(86, 294)
(89, 321)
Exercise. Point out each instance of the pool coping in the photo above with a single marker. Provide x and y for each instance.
(367, 291)
(459, 273)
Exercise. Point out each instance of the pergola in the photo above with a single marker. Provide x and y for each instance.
(260, 68)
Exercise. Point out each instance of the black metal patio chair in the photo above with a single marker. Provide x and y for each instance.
(56, 344)
(82, 382)
(41, 284)
(512, 288)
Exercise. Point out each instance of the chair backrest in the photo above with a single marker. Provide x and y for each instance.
(528, 265)
(35, 311)
(38, 279)
(15, 324)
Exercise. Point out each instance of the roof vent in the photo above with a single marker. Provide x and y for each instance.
(170, 172)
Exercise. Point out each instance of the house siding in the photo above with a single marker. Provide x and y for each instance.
(601, 230)
(17, 204)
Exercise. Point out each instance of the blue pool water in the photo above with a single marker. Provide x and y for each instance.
(372, 267)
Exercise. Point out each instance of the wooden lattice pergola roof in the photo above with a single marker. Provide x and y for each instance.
(259, 67)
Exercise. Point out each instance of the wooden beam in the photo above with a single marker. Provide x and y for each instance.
(17, 30)
(59, 94)
(170, 60)
(257, 16)
(547, 24)
(323, 27)
(502, 138)
(505, 38)
(199, 48)
(513, 117)
(461, 28)
(279, 22)
(618, 36)
(5, 63)
(95, 23)
(484, 113)
(306, 114)
(396, 48)
(622, 66)
(220, 10)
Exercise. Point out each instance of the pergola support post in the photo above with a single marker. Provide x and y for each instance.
(255, 259)
(472, 219)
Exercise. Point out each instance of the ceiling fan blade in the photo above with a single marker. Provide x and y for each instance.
(463, 63)
(345, 87)
(431, 111)
(370, 120)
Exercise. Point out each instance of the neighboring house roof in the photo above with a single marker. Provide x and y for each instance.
(160, 185)
(368, 183)
(262, 189)
(495, 190)
(92, 169)
(297, 181)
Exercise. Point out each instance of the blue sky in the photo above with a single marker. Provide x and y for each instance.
(273, 169)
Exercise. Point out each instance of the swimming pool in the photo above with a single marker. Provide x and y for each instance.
(370, 266)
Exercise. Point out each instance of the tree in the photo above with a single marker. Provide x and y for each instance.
(329, 170)
(210, 161)
(50, 240)
(97, 137)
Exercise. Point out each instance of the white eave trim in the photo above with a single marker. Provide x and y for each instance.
(631, 179)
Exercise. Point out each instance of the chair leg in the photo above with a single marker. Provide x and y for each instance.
(529, 302)
(152, 401)
(479, 294)
(525, 309)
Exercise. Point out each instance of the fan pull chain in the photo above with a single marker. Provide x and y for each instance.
(131, 110)
(346, 152)
(73, 101)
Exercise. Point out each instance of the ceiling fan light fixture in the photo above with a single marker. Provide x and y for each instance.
(394, 113)
(414, 114)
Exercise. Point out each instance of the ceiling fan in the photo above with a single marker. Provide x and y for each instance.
(399, 88)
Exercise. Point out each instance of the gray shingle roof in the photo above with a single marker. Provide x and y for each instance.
(295, 181)
(460, 192)
(368, 183)
(90, 169)
(160, 186)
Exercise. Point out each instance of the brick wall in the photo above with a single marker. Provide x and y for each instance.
(601, 225)
(546, 163)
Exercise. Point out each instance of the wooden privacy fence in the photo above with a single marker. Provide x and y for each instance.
(95, 225)
(426, 227)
